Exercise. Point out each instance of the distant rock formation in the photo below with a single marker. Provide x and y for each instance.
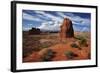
(66, 29)
(34, 31)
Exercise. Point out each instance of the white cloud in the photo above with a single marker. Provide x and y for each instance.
(62, 15)
(30, 17)
(56, 24)
(75, 19)
(77, 28)
(69, 15)
(56, 21)
(82, 29)
(26, 28)
(29, 25)
(39, 12)
(51, 26)
(49, 16)
(85, 29)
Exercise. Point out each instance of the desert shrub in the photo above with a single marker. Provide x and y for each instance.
(48, 55)
(83, 42)
(79, 37)
(74, 45)
(70, 54)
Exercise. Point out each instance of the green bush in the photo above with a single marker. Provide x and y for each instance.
(78, 37)
(83, 42)
(74, 45)
(70, 54)
(48, 55)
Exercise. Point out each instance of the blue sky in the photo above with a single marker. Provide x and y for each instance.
(51, 20)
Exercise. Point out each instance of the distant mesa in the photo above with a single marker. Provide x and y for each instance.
(66, 29)
(34, 31)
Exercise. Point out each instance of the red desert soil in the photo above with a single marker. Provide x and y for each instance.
(60, 49)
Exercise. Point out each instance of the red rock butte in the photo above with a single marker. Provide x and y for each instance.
(66, 29)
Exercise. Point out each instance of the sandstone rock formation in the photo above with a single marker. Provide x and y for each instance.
(66, 29)
(34, 31)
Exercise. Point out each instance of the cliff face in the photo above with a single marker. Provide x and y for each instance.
(66, 29)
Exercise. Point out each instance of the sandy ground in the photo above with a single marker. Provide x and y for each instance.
(59, 50)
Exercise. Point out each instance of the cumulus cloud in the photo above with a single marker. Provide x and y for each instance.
(50, 26)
